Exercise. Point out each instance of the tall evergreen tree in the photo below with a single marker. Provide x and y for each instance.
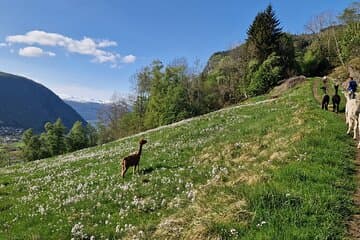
(264, 34)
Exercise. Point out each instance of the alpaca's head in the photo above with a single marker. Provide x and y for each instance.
(142, 141)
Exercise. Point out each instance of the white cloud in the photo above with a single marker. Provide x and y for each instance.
(129, 59)
(2, 44)
(34, 52)
(86, 46)
(106, 43)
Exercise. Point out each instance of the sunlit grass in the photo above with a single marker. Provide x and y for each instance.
(276, 170)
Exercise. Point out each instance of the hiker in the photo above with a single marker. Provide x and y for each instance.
(352, 88)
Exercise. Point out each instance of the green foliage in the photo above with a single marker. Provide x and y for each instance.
(26, 138)
(265, 76)
(54, 140)
(91, 134)
(314, 62)
(265, 33)
(76, 138)
(287, 56)
(350, 41)
(33, 146)
(273, 50)
(131, 123)
(54, 137)
(168, 102)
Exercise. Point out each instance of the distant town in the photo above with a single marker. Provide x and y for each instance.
(10, 134)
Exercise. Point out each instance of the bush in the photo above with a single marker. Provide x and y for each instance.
(266, 76)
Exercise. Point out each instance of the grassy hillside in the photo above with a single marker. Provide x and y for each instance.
(280, 169)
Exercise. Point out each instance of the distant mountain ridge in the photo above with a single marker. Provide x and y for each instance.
(27, 104)
(87, 109)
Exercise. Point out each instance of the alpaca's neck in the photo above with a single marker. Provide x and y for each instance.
(336, 91)
(140, 149)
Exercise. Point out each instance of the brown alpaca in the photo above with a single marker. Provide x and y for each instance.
(132, 160)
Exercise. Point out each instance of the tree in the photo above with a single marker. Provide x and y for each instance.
(92, 135)
(76, 139)
(27, 136)
(168, 99)
(45, 149)
(324, 28)
(142, 88)
(264, 34)
(54, 138)
(350, 41)
(266, 75)
(273, 53)
(351, 14)
(109, 119)
(31, 145)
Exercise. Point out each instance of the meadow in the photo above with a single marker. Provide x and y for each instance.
(272, 169)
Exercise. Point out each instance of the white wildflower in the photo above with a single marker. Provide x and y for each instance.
(77, 232)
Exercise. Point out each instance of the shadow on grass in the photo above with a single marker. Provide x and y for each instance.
(150, 169)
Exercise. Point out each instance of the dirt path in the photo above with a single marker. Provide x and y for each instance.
(354, 222)
(353, 225)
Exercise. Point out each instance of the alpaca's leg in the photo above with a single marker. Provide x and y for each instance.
(124, 171)
(355, 127)
(346, 116)
(359, 130)
(349, 126)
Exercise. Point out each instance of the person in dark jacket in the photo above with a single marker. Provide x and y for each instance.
(352, 87)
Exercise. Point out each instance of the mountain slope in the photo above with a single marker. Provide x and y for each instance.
(27, 104)
(274, 169)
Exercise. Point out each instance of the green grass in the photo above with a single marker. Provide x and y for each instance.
(275, 170)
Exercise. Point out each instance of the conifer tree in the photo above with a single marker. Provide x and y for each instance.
(264, 34)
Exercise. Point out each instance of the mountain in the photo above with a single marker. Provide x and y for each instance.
(27, 104)
(88, 110)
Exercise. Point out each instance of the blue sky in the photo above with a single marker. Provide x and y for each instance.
(90, 49)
